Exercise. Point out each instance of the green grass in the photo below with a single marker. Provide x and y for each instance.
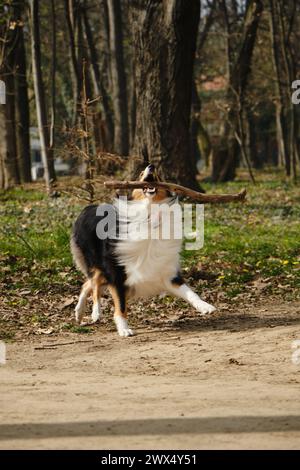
(259, 239)
(243, 242)
(34, 238)
(78, 329)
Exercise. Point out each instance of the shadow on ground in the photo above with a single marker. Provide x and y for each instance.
(228, 424)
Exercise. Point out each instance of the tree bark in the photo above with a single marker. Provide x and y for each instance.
(69, 7)
(118, 76)
(8, 146)
(46, 153)
(12, 176)
(195, 125)
(285, 120)
(132, 104)
(53, 78)
(164, 75)
(3, 145)
(22, 102)
(252, 139)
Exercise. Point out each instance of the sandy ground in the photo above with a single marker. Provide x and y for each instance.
(227, 382)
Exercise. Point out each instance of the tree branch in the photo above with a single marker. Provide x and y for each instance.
(190, 193)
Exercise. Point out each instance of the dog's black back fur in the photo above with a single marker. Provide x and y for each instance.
(97, 253)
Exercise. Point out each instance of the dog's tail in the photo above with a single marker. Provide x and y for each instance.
(78, 256)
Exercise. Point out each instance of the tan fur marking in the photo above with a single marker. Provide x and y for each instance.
(116, 299)
(138, 194)
(160, 195)
(87, 287)
(98, 282)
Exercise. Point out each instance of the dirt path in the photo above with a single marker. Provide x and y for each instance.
(225, 382)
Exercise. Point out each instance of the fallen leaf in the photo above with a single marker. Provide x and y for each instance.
(24, 292)
(69, 301)
(44, 331)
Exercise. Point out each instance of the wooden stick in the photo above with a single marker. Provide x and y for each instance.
(190, 193)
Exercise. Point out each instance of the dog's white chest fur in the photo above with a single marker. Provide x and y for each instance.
(149, 263)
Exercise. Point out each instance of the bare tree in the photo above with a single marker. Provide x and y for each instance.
(283, 65)
(46, 152)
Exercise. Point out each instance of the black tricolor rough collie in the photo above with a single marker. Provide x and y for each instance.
(129, 267)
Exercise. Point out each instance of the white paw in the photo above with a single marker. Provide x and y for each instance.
(204, 308)
(96, 313)
(79, 312)
(125, 332)
(122, 326)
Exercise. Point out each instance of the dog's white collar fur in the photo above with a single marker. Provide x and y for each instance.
(149, 263)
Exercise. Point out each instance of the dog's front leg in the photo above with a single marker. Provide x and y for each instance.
(185, 292)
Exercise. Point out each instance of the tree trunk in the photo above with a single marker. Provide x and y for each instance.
(118, 76)
(69, 7)
(285, 112)
(22, 102)
(281, 159)
(252, 139)
(164, 75)
(53, 78)
(3, 145)
(132, 104)
(46, 153)
(195, 125)
(12, 175)
(8, 146)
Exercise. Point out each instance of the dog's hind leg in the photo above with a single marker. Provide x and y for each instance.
(120, 314)
(98, 282)
(185, 292)
(81, 305)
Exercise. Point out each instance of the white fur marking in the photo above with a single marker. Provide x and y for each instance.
(149, 262)
(122, 326)
(186, 293)
(96, 313)
(81, 306)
